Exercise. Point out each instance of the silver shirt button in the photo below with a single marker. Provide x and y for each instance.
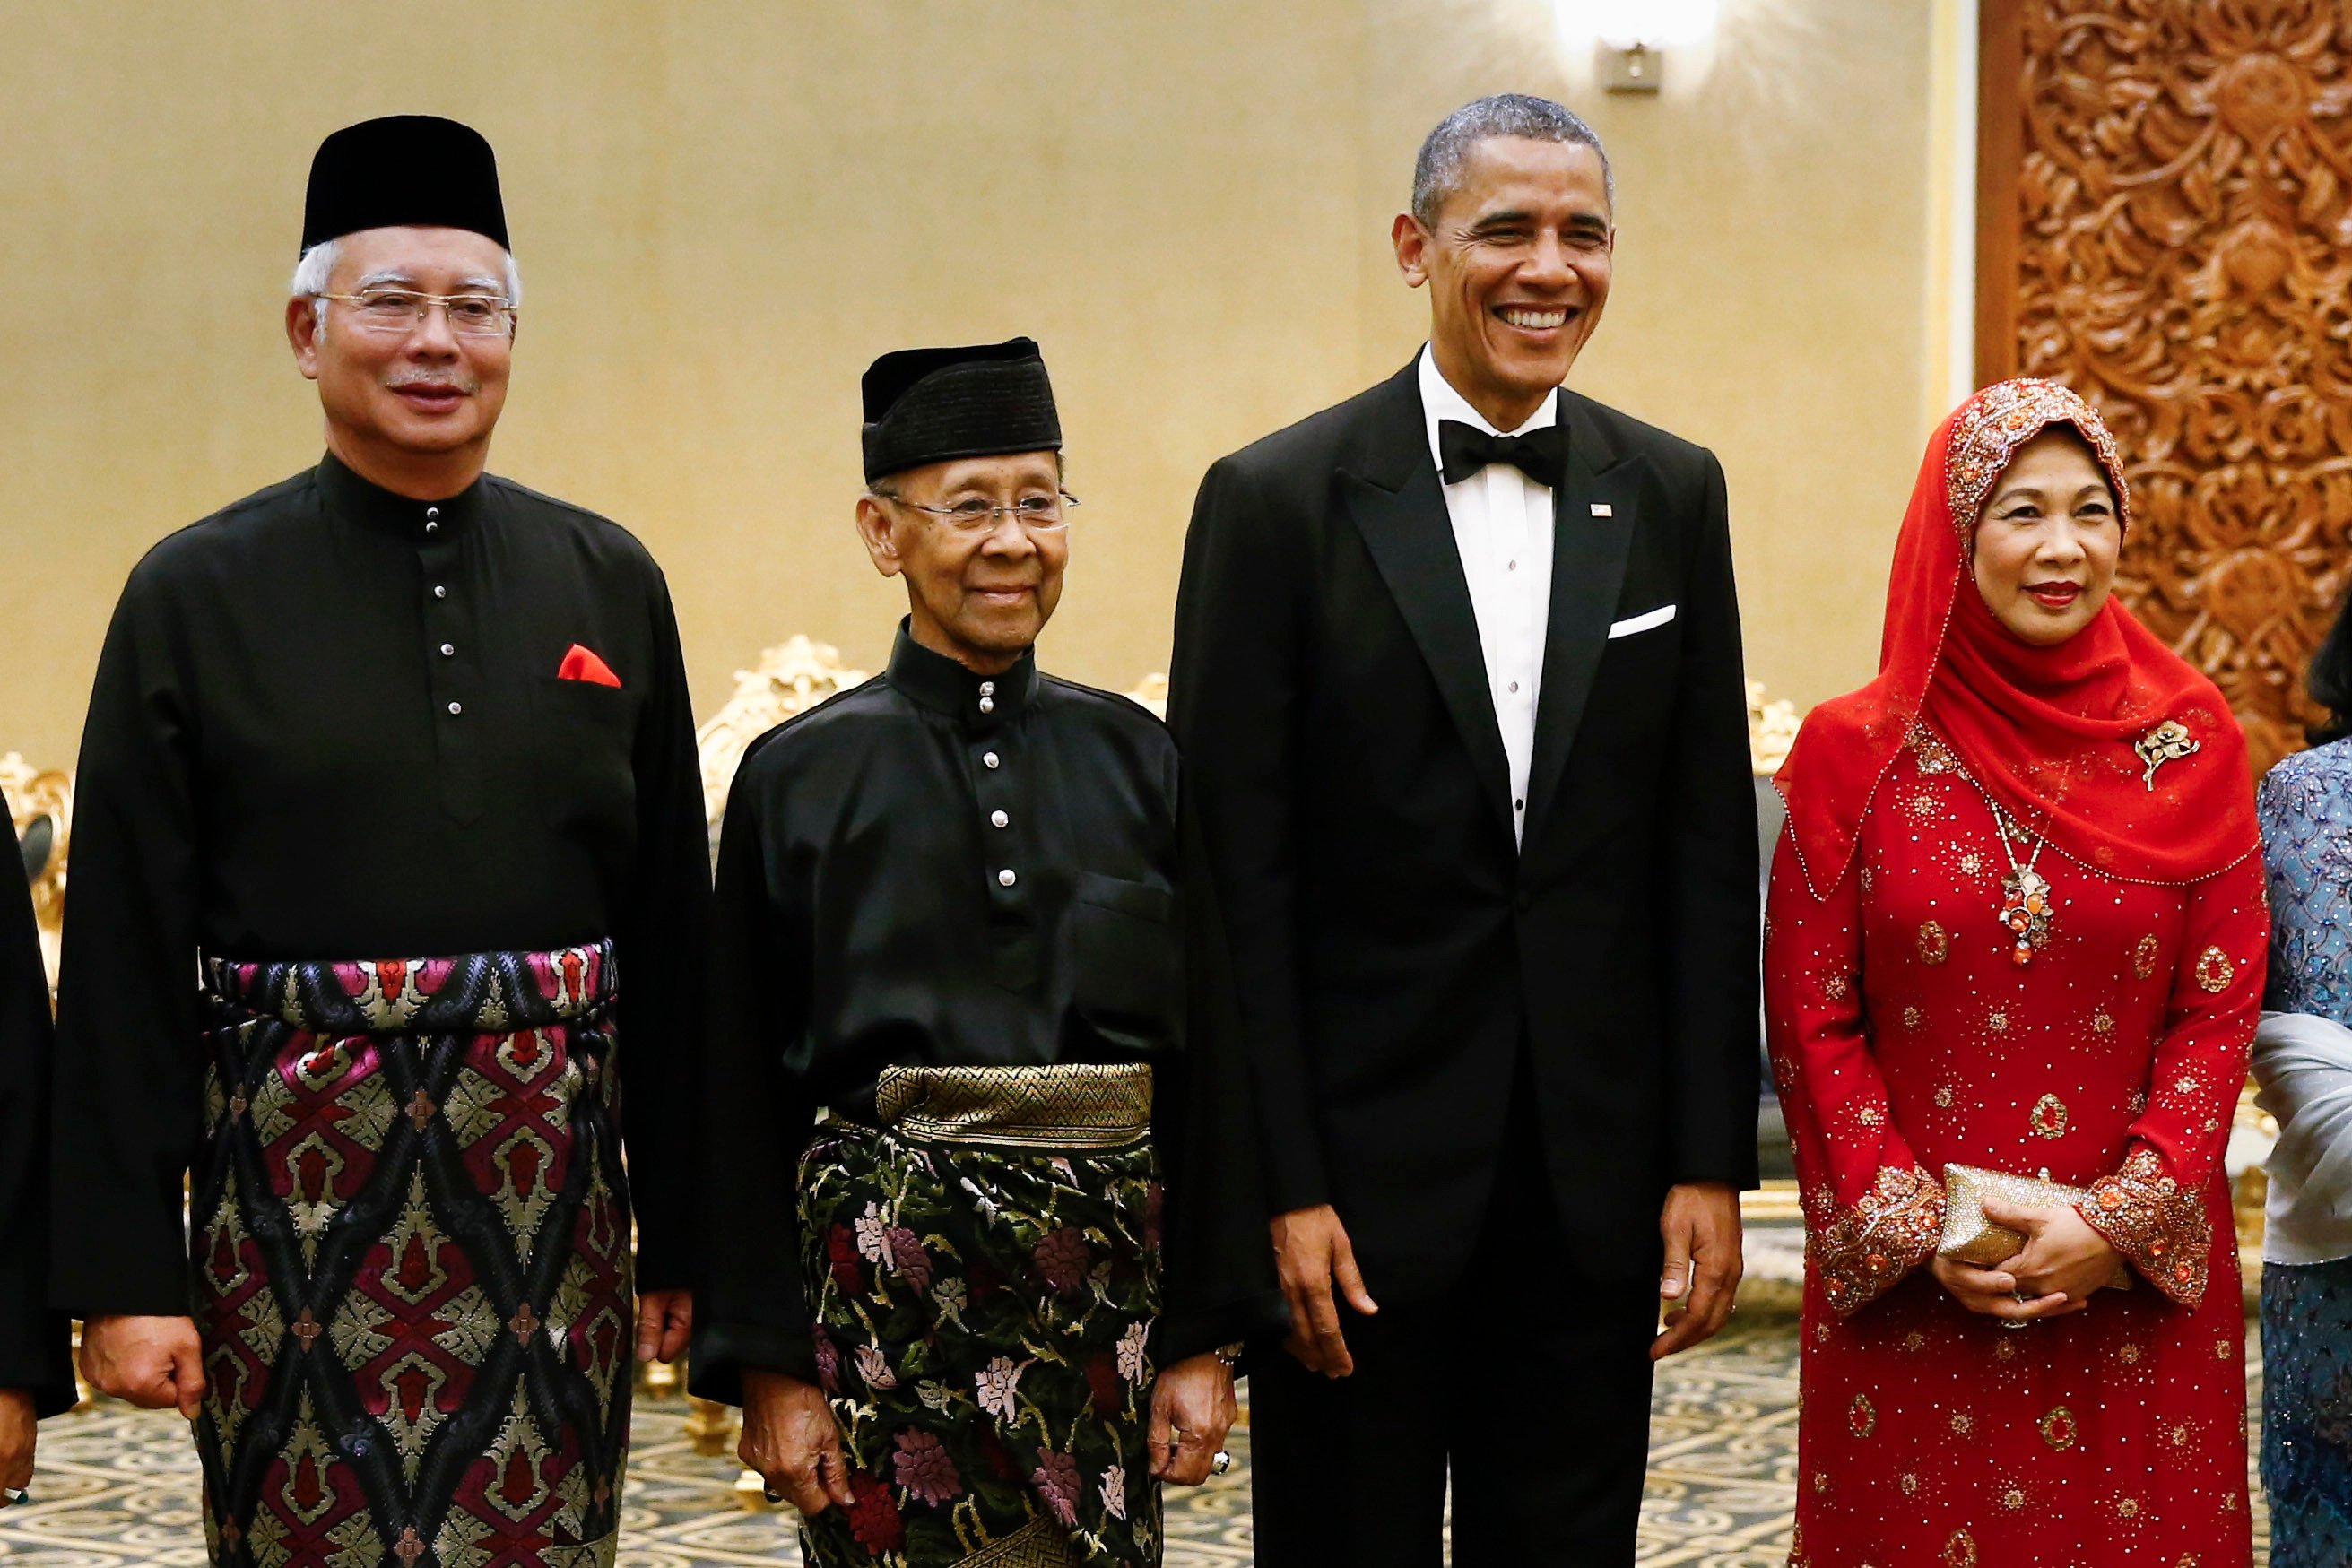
(988, 705)
(1005, 879)
(439, 591)
(1000, 819)
(432, 528)
(988, 688)
(989, 758)
(456, 709)
(448, 650)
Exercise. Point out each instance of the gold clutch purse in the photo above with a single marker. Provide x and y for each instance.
(1971, 1238)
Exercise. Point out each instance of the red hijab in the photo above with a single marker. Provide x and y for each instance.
(2062, 737)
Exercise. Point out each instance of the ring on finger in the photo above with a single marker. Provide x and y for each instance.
(771, 1494)
(1222, 1463)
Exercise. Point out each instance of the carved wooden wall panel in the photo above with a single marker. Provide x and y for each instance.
(2166, 226)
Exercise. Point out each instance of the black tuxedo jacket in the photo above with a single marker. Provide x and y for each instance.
(1394, 952)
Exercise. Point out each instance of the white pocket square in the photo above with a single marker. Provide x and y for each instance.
(1642, 622)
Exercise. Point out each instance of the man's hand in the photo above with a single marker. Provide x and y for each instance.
(1310, 1254)
(790, 1438)
(17, 1430)
(155, 1363)
(1192, 1411)
(2063, 1254)
(1701, 1226)
(665, 1322)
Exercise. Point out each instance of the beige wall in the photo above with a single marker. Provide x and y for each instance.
(724, 210)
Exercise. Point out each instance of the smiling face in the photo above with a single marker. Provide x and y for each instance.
(979, 596)
(415, 409)
(2045, 549)
(1517, 266)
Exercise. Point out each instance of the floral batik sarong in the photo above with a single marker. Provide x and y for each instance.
(986, 1273)
(411, 1259)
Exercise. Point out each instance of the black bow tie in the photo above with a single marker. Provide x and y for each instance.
(1464, 449)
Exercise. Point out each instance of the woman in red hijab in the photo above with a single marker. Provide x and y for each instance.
(2017, 923)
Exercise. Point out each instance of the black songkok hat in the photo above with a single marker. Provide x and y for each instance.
(405, 169)
(934, 405)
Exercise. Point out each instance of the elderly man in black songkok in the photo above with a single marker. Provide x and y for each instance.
(948, 910)
(397, 755)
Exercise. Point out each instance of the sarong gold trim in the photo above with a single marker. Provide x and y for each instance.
(1066, 1106)
(1040, 1544)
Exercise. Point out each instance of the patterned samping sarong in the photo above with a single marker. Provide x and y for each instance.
(986, 1272)
(411, 1262)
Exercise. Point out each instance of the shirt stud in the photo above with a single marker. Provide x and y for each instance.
(1000, 819)
(988, 688)
(1005, 878)
(988, 705)
(448, 650)
(456, 709)
(439, 591)
(990, 758)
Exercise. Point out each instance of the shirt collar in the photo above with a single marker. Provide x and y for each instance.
(937, 682)
(1438, 401)
(362, 500)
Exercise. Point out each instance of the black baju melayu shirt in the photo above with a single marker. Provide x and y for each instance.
(35, 1344)
(328, 724)
(940, 868)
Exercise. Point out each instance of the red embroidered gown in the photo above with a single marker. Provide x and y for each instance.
(1904, 1037)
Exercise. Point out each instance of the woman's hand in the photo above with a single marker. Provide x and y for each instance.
(790, 1438)
(1995, 1292)
(1192, 1410)
(18, 1431)
(2063, 1256)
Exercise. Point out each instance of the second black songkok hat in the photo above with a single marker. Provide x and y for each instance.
(934, 405)
(404, 168)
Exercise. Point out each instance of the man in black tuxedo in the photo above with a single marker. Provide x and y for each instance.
(1458, 686)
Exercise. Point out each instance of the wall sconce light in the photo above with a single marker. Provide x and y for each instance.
(1631, 37)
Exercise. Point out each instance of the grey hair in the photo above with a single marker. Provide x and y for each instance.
(317, 266)
(1437, 172)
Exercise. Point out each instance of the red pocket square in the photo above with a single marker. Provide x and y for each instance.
(581, 664)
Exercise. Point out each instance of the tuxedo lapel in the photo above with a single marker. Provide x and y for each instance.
(1592, 528)
(1391, 490)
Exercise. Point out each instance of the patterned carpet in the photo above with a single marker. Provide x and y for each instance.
(116, 1486)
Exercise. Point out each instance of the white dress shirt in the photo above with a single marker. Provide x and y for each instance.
(1503, 528)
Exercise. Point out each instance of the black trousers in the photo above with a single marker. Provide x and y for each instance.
(1528, 1380)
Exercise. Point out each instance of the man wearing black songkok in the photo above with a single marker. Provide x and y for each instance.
(397, 756)
(948, 909)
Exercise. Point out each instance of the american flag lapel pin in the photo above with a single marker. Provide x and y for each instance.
(1603, 509)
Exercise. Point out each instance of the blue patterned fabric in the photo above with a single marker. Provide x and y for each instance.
(2305, 805)
(2307, 1412)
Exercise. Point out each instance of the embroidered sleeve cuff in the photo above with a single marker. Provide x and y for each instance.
(1863, 1250)
(2160, 1225)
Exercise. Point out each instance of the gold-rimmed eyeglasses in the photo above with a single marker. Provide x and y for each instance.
(404, 311)
(977, 515)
